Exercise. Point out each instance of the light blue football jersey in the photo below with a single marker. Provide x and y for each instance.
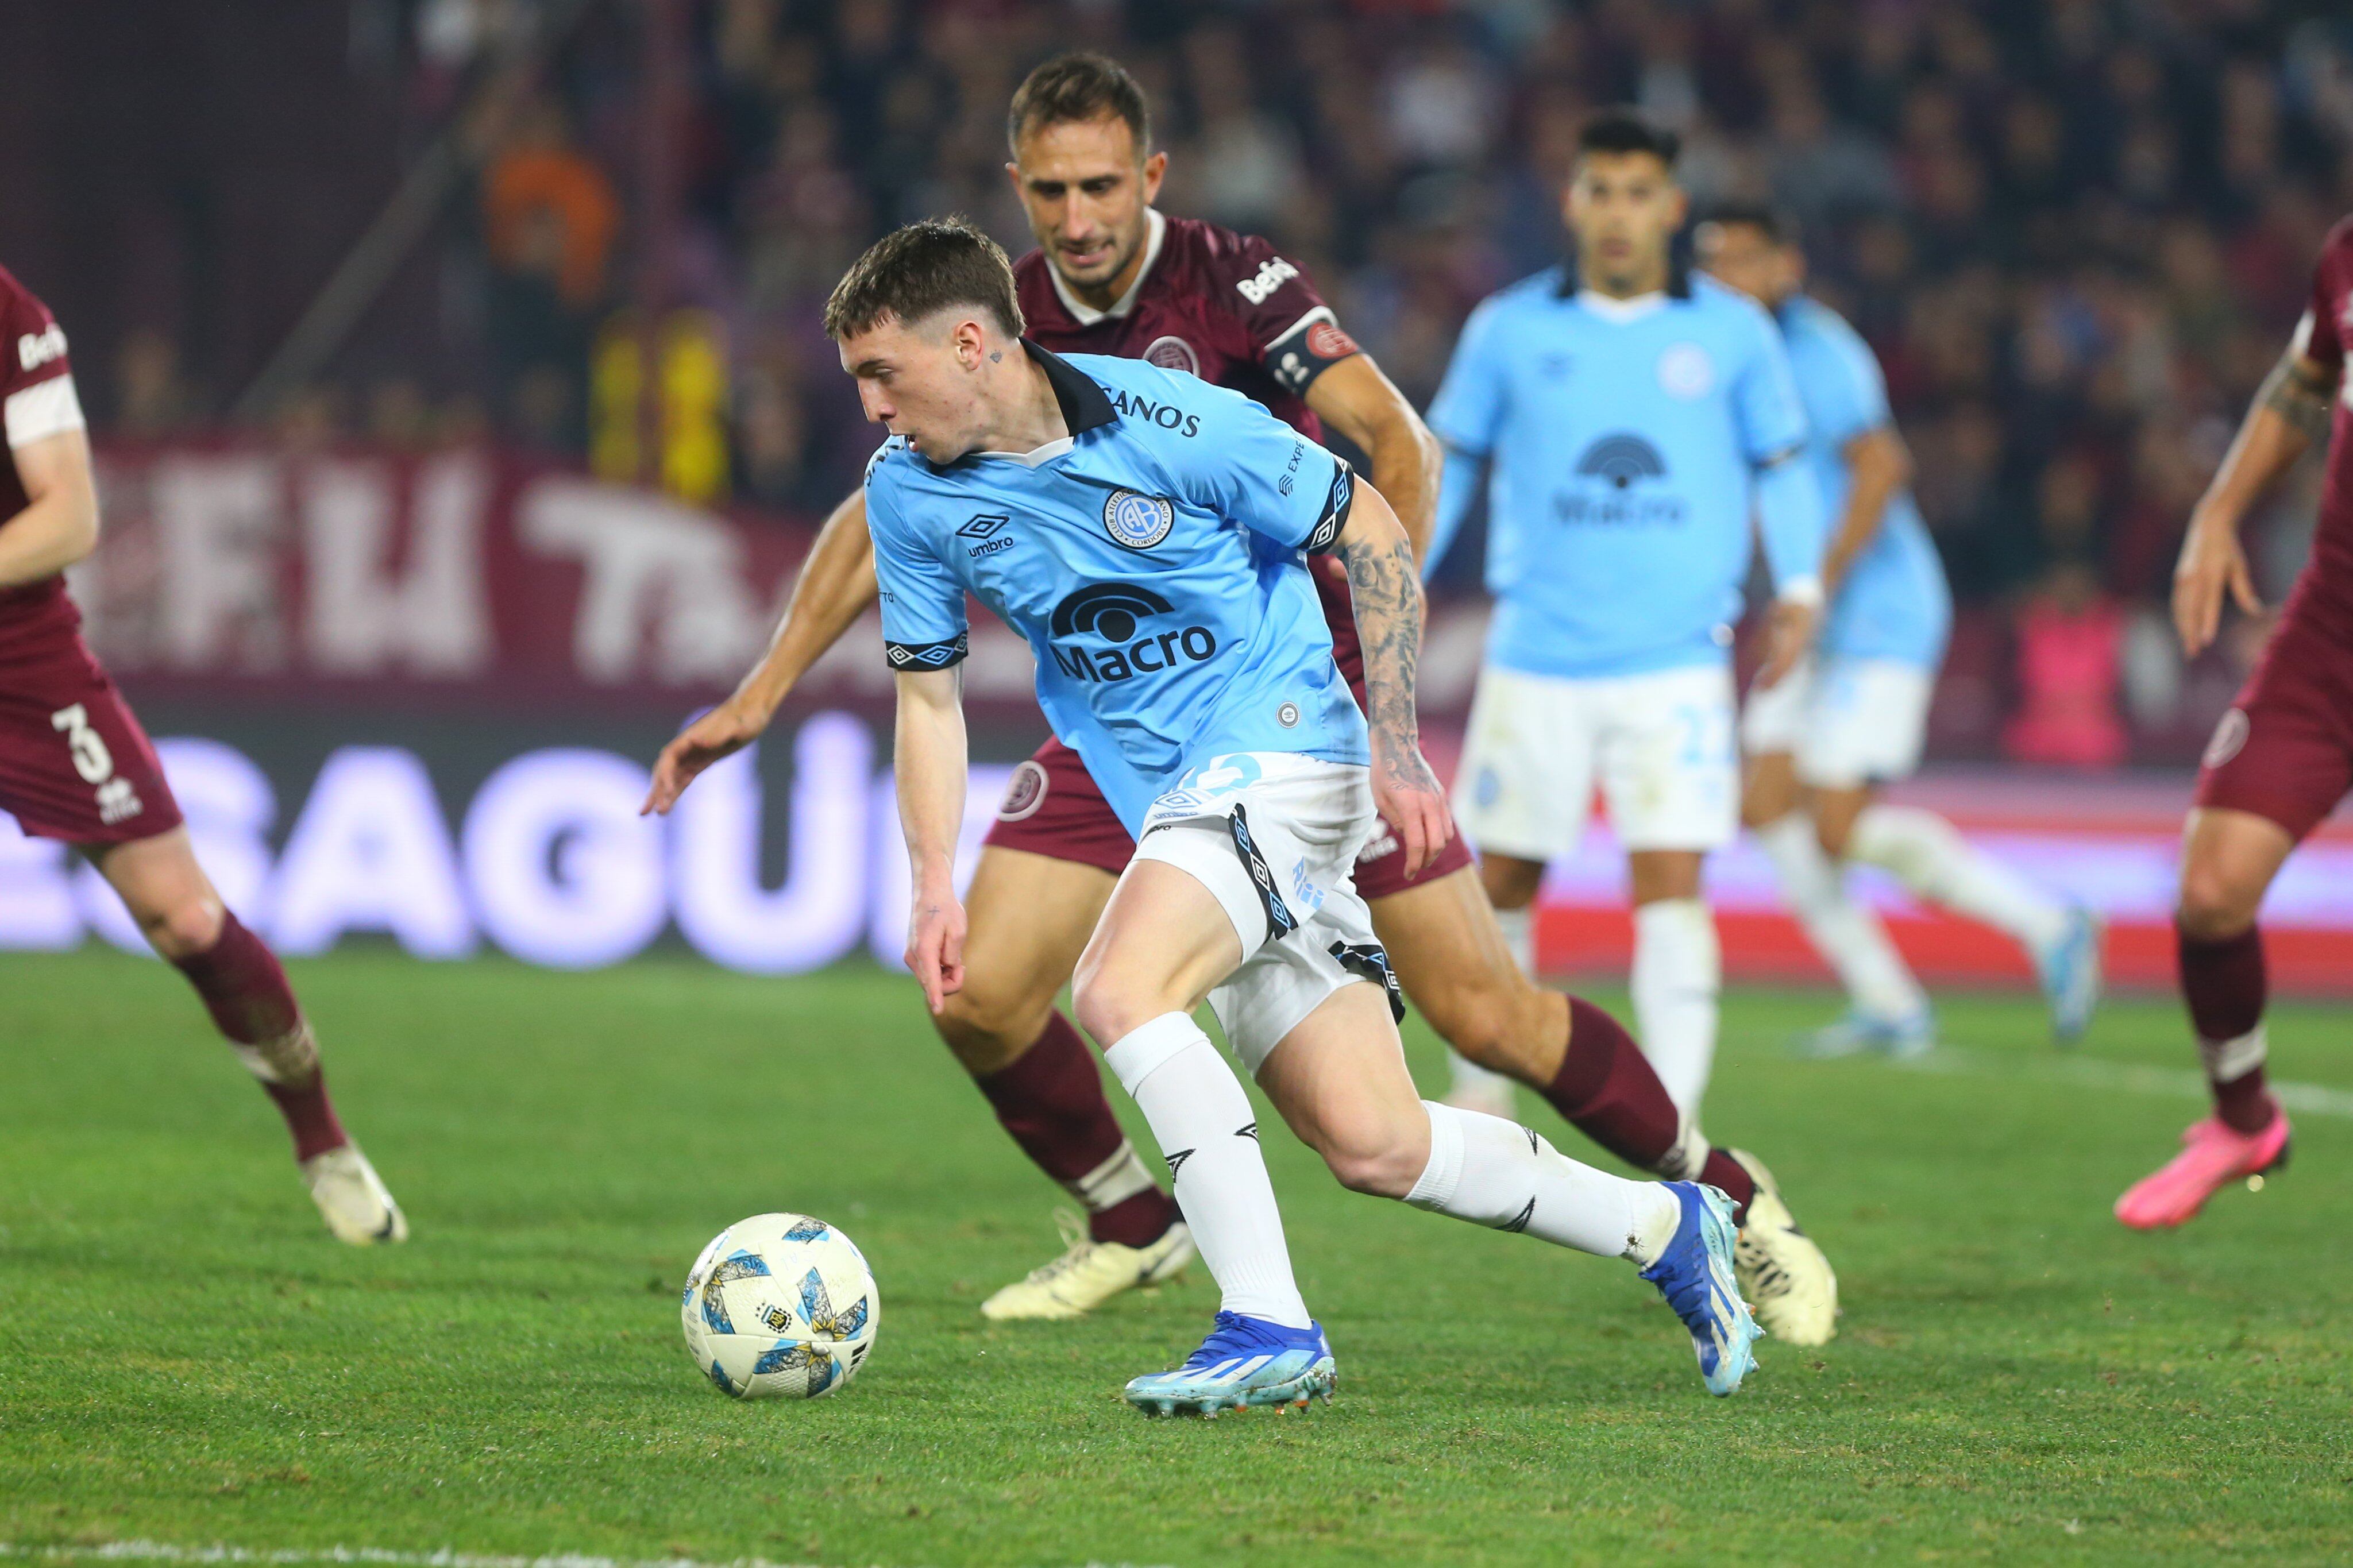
(1628, 445)
(1154, 563)
(1894, 604)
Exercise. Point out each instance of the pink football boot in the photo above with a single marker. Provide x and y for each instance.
(2213, 1156)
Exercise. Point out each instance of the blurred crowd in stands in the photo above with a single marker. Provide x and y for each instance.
(2077, 232)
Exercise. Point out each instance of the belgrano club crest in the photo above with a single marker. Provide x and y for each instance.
(1137, 521)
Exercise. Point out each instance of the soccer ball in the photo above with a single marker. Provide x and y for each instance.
(780, 1306)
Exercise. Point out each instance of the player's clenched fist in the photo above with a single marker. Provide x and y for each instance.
(718, 734)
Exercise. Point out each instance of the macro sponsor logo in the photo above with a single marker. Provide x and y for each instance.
(1167, 415)
(1272, 274)
(1113, 614)
(1622, 463)
(35, 350)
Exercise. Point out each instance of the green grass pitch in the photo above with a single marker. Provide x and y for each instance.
(186, 1359)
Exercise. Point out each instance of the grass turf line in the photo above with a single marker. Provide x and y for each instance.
(186, 1359)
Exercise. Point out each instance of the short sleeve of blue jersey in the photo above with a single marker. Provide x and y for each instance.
(1845, 394)
(1467, 411)
(1771, 415)
(924, 622)
(1250, 468)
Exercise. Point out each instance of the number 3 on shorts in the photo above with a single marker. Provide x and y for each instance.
(91, 760)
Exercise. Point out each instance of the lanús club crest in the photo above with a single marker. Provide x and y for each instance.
(1137, 521)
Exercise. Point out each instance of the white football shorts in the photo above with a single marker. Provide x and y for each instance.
(1274, 837)
(1659, 743)
(1846, 722)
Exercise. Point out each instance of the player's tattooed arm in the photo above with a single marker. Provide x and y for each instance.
(2290, 412)
(2302, 392)
(1384, 587)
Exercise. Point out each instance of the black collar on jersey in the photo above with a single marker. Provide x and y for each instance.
(1084, 404)
(1678, 277)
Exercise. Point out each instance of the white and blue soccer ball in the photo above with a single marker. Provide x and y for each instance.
(780, 1306)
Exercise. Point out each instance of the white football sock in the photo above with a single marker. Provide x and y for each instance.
(1929, 856)
(1678, 970)
(1469, 1078)
(1846, 933)
(1208, 1132)
(1498, 1173)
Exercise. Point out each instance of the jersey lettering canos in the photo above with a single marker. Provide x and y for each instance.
(1894, 604)
(36, 401)
(1227, 307)
(1152, 561)
(1627, 441)
(2324, 336)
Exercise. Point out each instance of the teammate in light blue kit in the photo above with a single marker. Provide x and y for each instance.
(1853, 717)
(1632, 419)
(1144, 530)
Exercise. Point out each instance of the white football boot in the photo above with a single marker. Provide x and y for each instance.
(1089, 1273)
(357, 1205)
(1785, 1276)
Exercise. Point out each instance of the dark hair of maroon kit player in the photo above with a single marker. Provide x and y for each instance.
(1075, 88)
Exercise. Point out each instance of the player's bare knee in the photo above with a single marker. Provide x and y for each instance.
(987, 1027)
(1833, 834)
(1380, 1169)
(182, 927)
(2215, 905)
(1111, 1006)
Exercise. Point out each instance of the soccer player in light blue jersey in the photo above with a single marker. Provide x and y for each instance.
(1852, 718)
(1145, 534)
(1632, 419)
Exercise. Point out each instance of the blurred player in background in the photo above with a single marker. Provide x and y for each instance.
(1113, 275)
(2283, 756)
(75, 765)
(1853, 715)
(1631, 417)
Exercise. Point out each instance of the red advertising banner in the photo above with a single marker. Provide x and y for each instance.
(244, 567)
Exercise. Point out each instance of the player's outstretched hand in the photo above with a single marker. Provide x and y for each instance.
(2211, 563)
(1788, 632)
(720, 733)
(1406, 794)
(936, 945)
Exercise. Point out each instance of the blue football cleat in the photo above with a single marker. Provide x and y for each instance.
(1244, 1361)
(1861, 1035)
(2070, 970)
(1695, 1275)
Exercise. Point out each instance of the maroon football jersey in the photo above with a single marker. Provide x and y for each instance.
(2324, 335)
(1224, 307)
(32, 359)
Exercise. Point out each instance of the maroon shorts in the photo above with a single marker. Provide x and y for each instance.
(1053, 808)
(2284, 751)
(74, 764)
